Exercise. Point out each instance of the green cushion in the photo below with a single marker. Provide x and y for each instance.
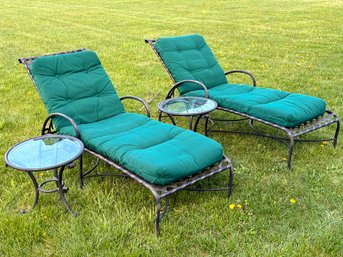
(77, 85)
(189, 57)
(158, 152)
(279, 107)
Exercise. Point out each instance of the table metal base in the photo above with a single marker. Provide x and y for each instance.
(60, 188)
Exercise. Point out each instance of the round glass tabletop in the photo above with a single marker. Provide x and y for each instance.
(44, 152)
(187, 106)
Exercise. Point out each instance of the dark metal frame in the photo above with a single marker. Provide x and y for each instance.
(159, 192)
(293, 133)
(58, 172)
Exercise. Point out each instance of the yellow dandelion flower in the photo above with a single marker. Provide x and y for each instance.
(239, 206)
(232, 206)
(284, 158)
(293, 201)
(323, 144)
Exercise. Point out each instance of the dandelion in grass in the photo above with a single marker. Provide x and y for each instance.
(324, 143)
(239, 206)
(293, 200)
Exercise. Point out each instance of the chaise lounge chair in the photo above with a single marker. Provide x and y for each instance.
(196, 72)
(82, 102)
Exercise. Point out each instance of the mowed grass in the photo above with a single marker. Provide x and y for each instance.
(289, 45)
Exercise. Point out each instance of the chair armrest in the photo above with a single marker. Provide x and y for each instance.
(245, 72)
(146, 106)
(47, 128)
(176, 85)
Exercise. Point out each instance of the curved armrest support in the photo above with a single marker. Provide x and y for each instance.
(175, 86)
(57, 114)
(244, 72)
(146, 106)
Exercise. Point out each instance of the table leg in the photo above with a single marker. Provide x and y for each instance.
(190, 124)
(170, 117)
(65, 189)
(35, 201)
(207, 116)
(56, 176)
(62, 191)
(196, 123)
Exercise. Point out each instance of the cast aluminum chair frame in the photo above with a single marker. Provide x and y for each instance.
(293, 133)
(159, 192)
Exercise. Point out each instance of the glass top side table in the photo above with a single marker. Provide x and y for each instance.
(48, 152)
(188, 106)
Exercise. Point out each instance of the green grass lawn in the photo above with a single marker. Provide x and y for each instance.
(290, 45)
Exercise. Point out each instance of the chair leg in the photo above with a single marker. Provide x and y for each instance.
(230, 184)
(290, 151)
(158, 218)
(159, 215)
(336, 134)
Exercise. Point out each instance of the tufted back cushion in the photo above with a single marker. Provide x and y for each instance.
(77, 85)
(189, 57)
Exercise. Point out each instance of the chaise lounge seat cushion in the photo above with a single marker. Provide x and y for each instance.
(276, 106)
(77, 85)
(158, 152)
(190, 58)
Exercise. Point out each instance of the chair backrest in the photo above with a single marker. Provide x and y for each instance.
(76, 85)
(189, 57)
